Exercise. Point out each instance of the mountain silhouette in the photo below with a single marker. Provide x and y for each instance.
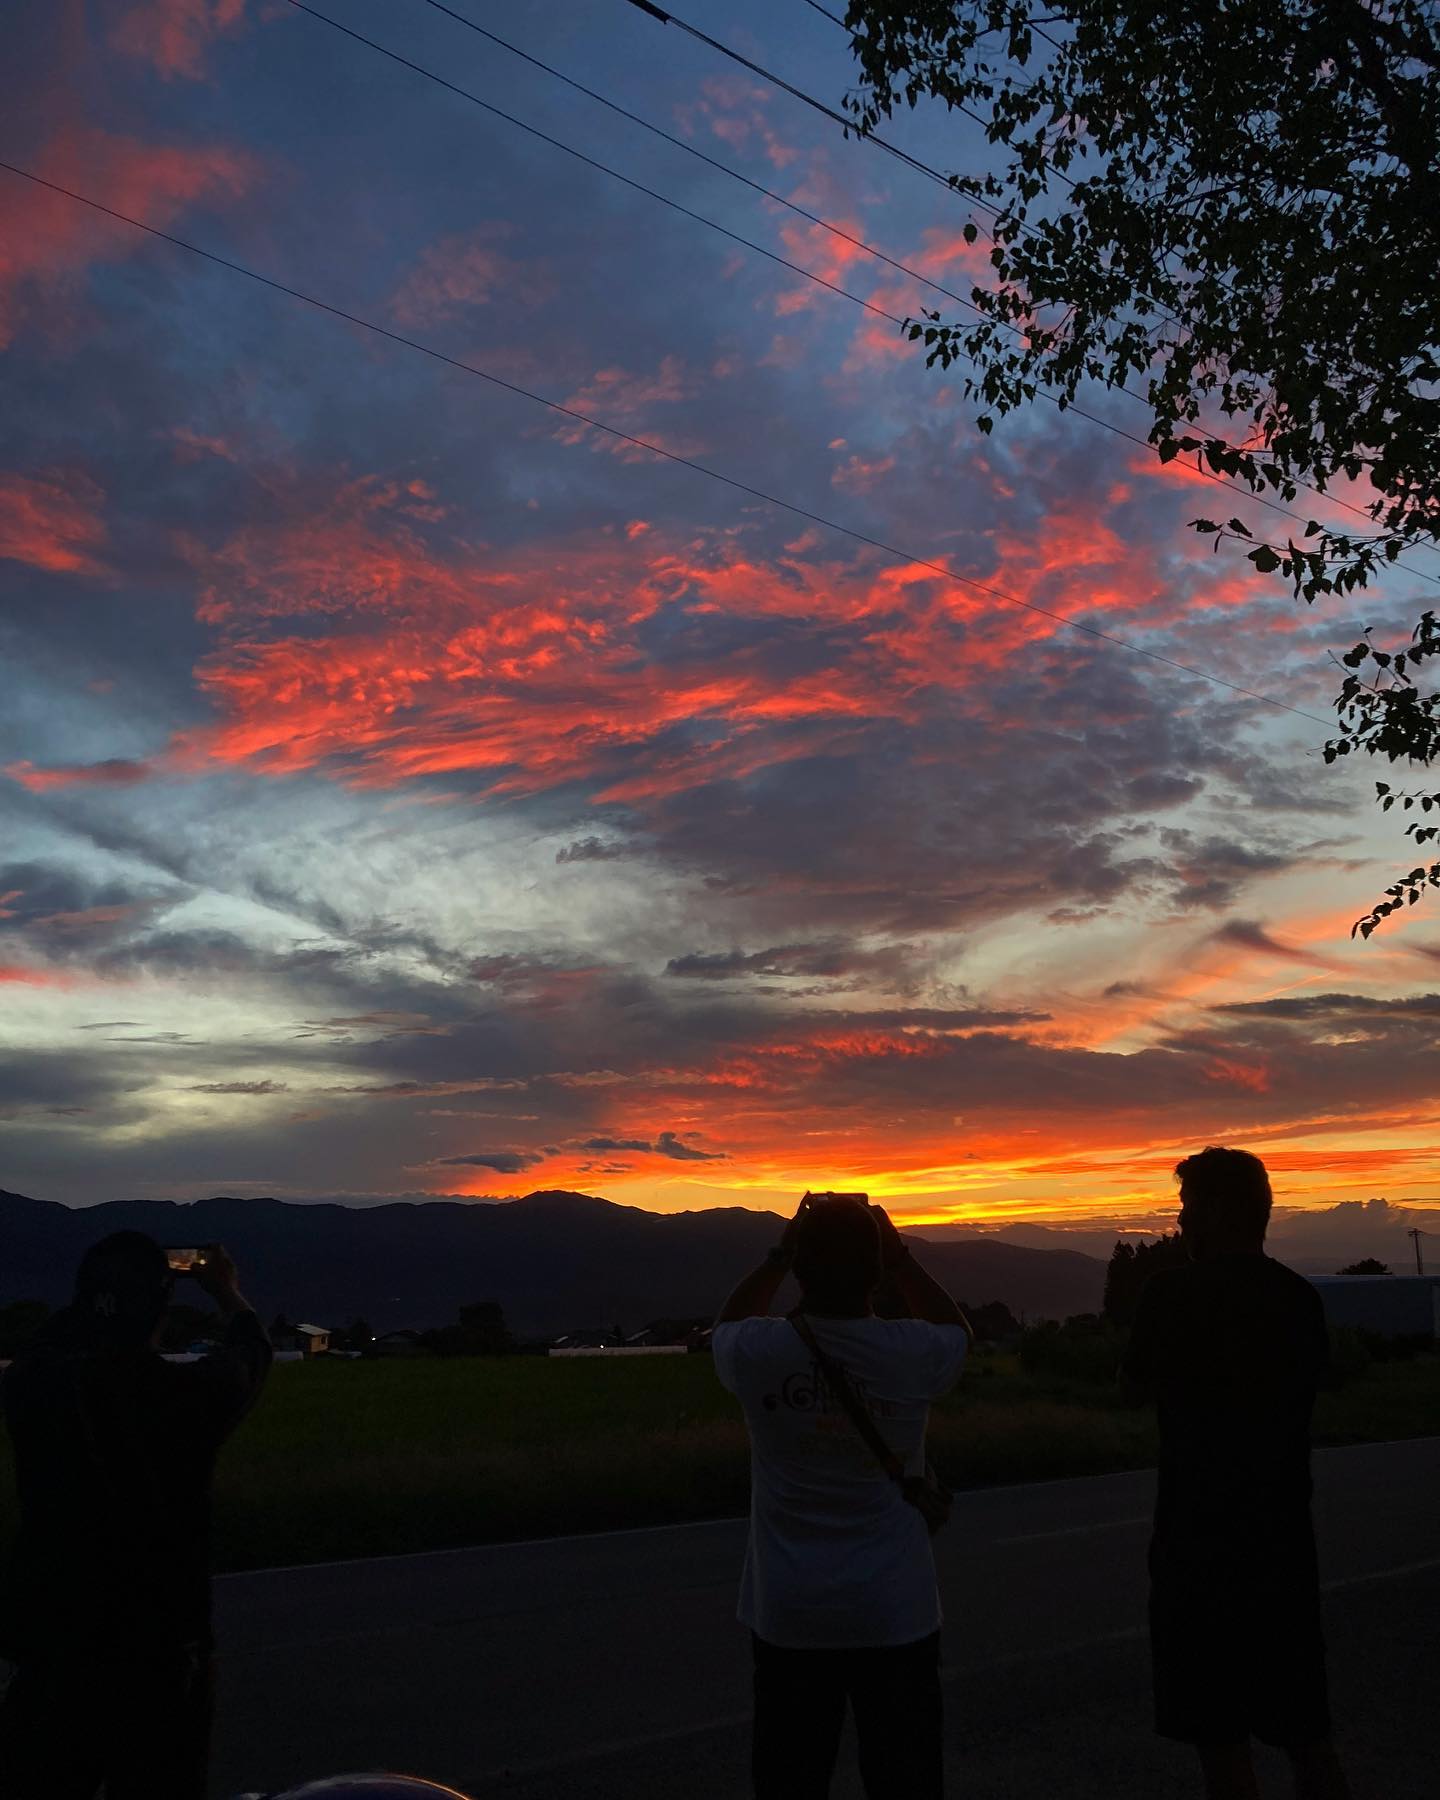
(554, 1260)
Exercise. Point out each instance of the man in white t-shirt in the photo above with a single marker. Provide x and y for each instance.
(839, 1583)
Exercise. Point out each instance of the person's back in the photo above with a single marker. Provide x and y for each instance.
(839, 1586)
(837, 1555)
(1231, 1347)
(114, 1455)
(105, 1608)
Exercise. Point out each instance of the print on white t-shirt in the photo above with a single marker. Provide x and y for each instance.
(838, 1558)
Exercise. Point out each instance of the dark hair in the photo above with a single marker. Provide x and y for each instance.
(1226, 1190)
(837, 1251)
(122, 1287)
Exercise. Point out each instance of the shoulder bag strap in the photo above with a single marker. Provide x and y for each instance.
(840, 1383)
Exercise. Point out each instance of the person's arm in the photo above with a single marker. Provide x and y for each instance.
(755, 1293)
(1138, 1375)
(235, 1370)
(919, 1291)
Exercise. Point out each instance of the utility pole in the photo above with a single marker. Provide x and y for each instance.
(1414, 1233)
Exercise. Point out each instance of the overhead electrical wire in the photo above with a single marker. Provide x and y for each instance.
(928, 169)
(626, 437)
(736, 237)
(779, 81)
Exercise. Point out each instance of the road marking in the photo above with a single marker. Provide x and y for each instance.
(578, 1537)
(1349, 1581)
(1064, 1531)
(569, 1537)
(951, 1673)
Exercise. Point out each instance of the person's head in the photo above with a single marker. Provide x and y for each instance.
(122, 1288)
(1224, 1201)
(837, 1255)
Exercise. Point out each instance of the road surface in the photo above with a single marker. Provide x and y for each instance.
(610, 1667)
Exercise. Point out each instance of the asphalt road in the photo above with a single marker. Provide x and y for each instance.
(611, 1667)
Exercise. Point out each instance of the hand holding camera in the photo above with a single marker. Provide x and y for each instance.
(213, 1268)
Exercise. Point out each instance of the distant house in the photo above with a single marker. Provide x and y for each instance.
(588, 1340)
(673, 1334)
(302, 1340)
(665, 1337)
(1393, 1305)
(398, 1343)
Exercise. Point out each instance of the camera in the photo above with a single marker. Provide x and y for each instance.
(184, 1261)
(829, 1199)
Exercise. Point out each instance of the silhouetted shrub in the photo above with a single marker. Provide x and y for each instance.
(1131, 1265)
(1349, 1353)
(1084, 1348)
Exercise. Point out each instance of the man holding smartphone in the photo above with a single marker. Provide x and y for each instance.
(106, 1611)
(839, 1585)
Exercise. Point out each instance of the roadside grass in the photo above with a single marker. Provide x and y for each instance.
(347, 1459)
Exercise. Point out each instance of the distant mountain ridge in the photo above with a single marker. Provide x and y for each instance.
(554, 1260)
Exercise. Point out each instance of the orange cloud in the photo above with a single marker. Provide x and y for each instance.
(47, 241)
(51, 522)
(532, 669)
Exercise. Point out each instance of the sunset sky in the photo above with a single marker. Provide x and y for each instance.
(407, 789)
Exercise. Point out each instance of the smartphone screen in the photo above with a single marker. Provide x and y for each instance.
(182, 1261)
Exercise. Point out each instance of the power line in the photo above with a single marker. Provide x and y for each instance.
(779, 81)
(735, 236)
(591, 162)
(935, 174)
(694, 150)
(672, 456)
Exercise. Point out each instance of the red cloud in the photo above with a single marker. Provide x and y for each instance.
(175, 36)
(47, 240)
(115, 771)
(734, 109)
(627, 399)
(51, 522)
(533, 669)
(29, 977)
(824, 254)
(462, 271)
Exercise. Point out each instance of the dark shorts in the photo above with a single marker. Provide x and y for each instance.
(1236, 1645)
(139, 1725)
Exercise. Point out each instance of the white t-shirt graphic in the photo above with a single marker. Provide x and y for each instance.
(838, 1558)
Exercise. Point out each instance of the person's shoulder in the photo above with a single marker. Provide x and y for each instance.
(1291, 1283)
(933, 1352)
(916, 1334)
(761, 1326)
(1164, 1286)
(750, 1337)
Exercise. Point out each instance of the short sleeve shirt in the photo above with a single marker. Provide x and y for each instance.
(1233, 1349)
(837, 1558)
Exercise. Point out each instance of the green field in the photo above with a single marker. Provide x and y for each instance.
(348, 1459)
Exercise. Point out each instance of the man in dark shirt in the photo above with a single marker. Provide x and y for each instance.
(1231, 1347)
(106, 1609)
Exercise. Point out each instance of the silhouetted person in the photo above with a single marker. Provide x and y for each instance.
(1232, 1346)
(107, 1606)
(839, 1584)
